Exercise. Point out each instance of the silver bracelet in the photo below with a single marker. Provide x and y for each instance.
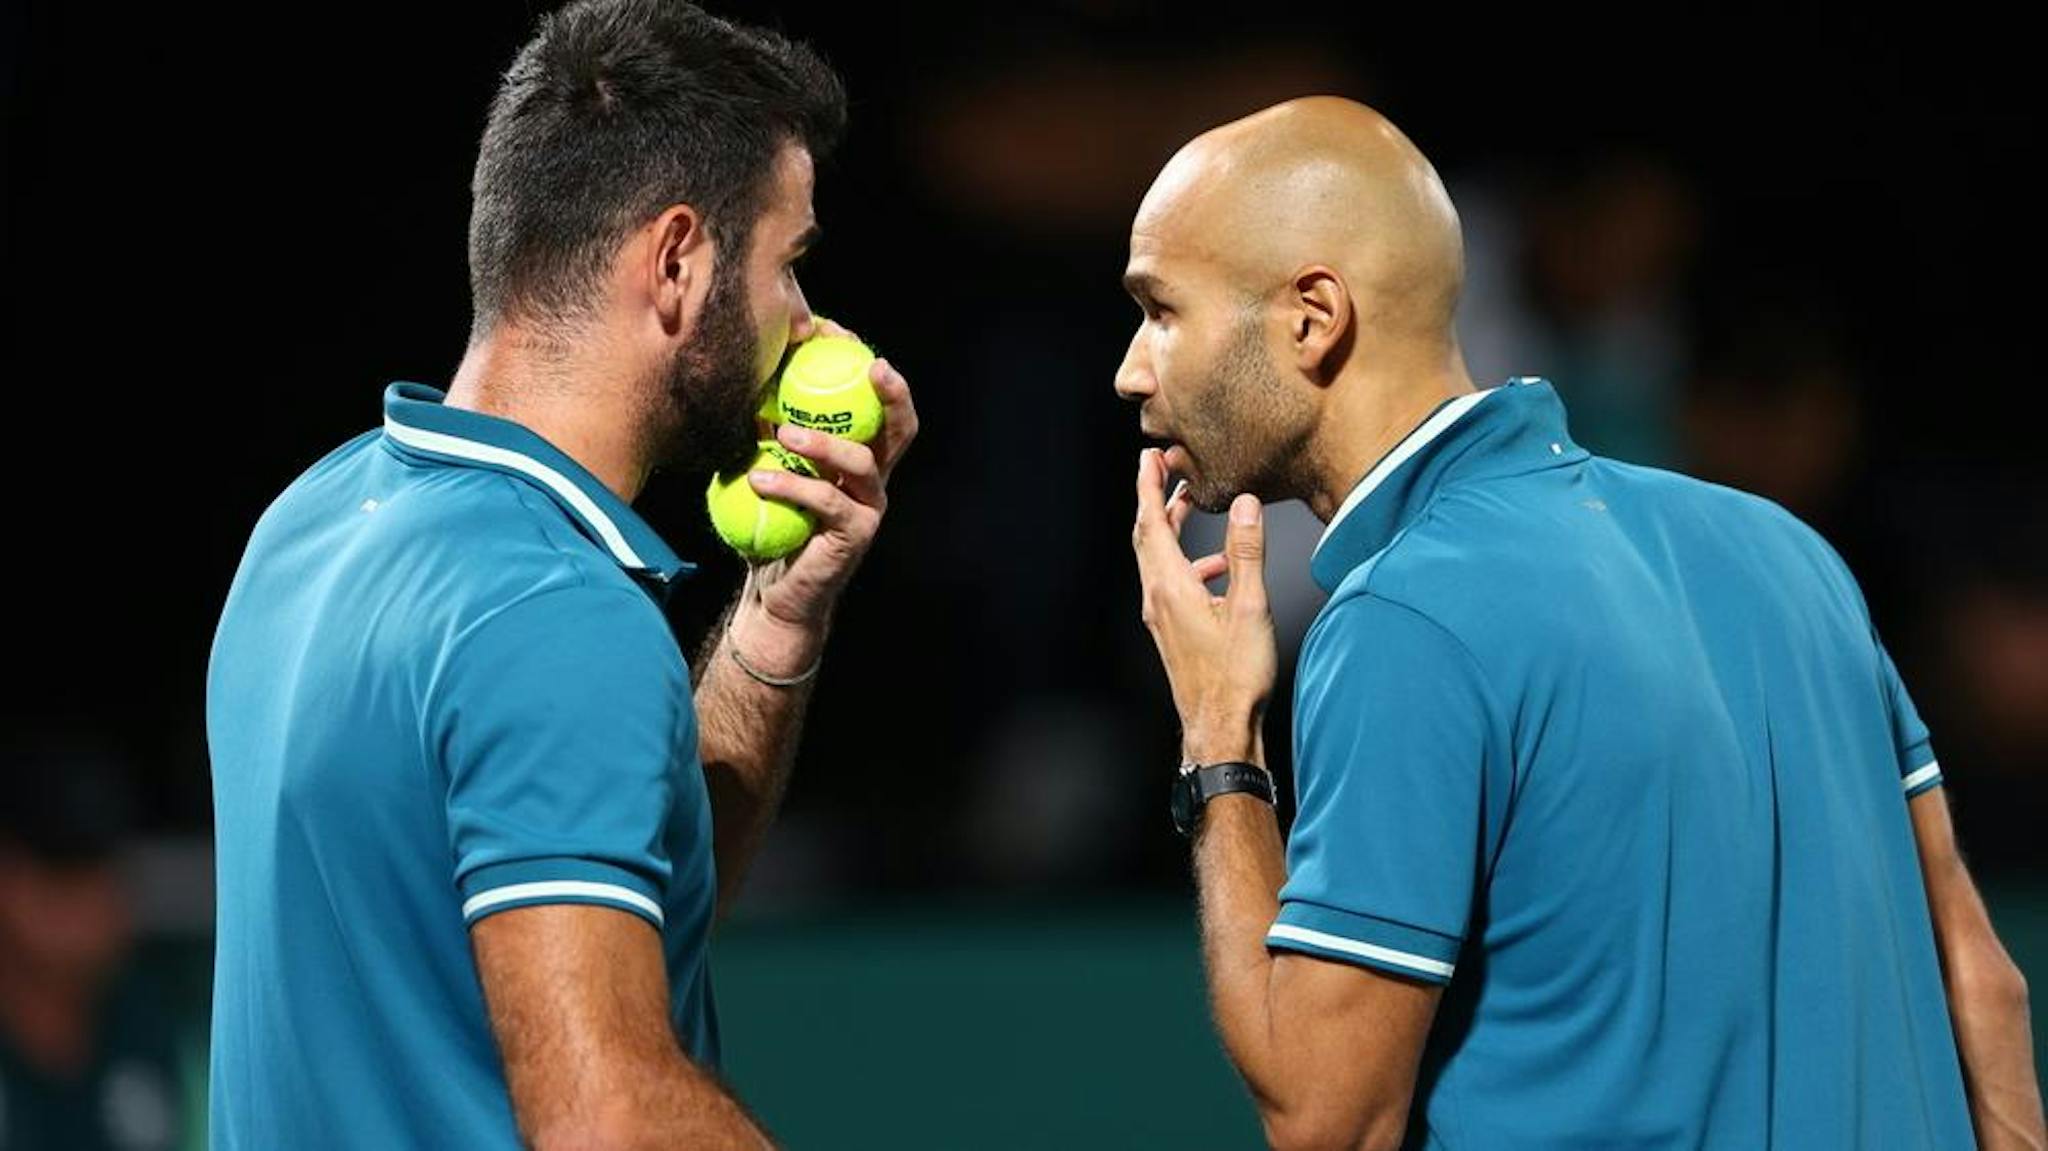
(733, 649)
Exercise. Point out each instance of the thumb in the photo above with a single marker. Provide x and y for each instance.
(1245, 547)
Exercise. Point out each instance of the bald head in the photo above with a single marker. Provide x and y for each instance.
(1314, 182)
(1298, 271)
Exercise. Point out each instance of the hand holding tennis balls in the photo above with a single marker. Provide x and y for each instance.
(786, 608)
(825, 387)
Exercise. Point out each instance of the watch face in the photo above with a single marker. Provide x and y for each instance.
(1183, 803)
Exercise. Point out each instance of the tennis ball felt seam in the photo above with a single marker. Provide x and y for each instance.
(763, 529)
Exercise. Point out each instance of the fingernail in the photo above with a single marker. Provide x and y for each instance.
(796, 437)
(762, 478)
(1245, 510)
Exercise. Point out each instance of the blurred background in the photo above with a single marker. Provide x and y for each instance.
(1795, 253)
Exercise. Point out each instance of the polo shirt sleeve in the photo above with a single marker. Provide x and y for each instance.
(1918, 770)
(1395, 738)
(560, 721)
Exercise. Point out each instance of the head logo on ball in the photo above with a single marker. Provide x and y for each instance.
(825, 387)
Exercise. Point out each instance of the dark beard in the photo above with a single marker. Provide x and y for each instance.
(710, 392)
(1248, 427)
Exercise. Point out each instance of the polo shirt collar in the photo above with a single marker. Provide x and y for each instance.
(417, 423)
(1517, 427)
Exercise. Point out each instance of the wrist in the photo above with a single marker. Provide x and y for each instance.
(775, 647)
(1198, 788)
(1210, 742)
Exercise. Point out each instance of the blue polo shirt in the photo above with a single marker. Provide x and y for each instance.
(1617, 756)
(442, 687)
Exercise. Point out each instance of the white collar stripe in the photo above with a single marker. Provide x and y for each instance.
(555, 481)
(1416, 440)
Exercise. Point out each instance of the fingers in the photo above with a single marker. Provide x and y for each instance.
(1166, 577)
(853, 464)
(820, 326)
(1210, 566)
(1153, 536)
(899, 416)
(832, 508)
(1244, 551)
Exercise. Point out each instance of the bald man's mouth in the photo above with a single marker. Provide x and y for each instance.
(1172, 452)
(1174, 455)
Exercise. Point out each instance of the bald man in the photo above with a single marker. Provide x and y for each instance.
(1615, 826)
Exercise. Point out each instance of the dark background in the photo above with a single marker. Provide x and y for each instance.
(1796, 252)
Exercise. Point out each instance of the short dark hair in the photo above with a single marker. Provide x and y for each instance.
(615, 110)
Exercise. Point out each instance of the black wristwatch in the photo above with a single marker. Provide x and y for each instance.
(1197, 784)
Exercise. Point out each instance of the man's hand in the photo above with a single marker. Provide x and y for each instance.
(1219, 651)
(1329, 1050)
(789, 602)
(747, 727)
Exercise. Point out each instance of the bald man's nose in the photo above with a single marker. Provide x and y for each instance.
(1134, 376)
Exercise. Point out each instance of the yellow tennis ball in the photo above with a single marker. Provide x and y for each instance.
(755, 527)
(825, 387)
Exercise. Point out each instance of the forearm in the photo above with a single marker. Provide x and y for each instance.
(1290, 1030)
(1995, 1039)
(661, 1101)
(1987, 995)
(748, 731)
(1994, 1036)
(1239, 867)
(1240, 864)
(578, 1000)
(1307, 1095)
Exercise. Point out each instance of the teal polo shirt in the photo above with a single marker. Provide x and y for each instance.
(442, 687)
(1617, 757)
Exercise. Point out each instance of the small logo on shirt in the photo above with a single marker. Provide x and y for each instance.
(1594, 505)
(371, 505)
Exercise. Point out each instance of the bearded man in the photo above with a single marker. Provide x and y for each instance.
(474, 824)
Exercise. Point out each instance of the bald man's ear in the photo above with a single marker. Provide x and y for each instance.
(674, 262)
(1322, 323)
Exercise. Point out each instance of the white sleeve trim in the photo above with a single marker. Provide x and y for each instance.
(1314, 938)
(1919, 776)
(557, 888)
